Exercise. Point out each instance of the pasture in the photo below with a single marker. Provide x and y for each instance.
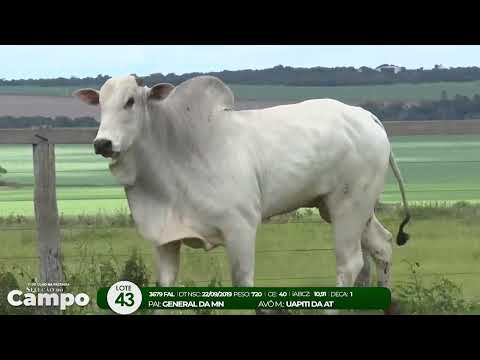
(349, 94)
(288, 254)
(439, 171)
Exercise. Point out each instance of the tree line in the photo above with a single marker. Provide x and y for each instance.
(285, 75)
(458, 108)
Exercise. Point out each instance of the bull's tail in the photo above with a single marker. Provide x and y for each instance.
(402, 237)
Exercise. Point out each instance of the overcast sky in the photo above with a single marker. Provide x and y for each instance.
(43, 61)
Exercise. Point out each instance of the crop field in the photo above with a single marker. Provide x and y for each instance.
(436, 169)
(349, 94)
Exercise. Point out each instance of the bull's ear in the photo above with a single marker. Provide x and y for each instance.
(88, 96)
(160, 91)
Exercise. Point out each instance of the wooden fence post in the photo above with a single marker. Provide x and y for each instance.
(46, 212)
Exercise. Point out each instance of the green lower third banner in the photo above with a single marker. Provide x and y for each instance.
(367, 298)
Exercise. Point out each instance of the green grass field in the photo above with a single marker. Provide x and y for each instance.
(349, 94)
(435, 168)
(290, 254)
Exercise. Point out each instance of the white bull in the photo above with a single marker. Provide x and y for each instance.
(198, 173)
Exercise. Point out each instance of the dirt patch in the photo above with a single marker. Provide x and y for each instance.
(52, 106)
(48, 106)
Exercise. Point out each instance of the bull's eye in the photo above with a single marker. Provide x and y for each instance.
(129, 103)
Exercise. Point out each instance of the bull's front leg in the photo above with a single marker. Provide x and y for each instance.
(240, 246)
(167, 262)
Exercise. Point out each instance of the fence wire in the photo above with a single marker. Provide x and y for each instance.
(8, 259)
(131, 227)
(327, 277)
(36, 257)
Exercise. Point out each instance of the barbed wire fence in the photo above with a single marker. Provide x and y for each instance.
(6, 261)
(44, 140)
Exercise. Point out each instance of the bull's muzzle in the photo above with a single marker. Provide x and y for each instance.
(103, 147)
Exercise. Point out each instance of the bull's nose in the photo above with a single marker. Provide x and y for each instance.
(103, 147)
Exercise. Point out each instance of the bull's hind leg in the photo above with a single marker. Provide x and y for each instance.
(378, 242)
(349, 216)
(363, 278)
(348, 220)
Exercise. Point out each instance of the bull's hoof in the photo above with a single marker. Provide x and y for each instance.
(271, 312)
(393, 309)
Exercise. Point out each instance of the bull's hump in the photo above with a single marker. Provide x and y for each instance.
(207, 92)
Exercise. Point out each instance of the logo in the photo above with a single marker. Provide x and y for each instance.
(46, 295)
(124, 297)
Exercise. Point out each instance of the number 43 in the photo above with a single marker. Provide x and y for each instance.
(121, 299)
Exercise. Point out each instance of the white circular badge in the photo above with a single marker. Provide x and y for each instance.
(124, 297)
